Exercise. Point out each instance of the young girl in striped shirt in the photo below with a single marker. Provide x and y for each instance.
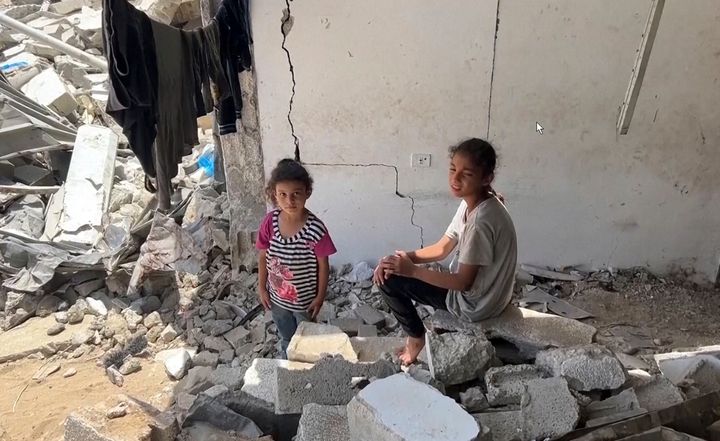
(294, 246)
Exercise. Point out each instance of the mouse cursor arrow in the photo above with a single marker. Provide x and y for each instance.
(538, 128)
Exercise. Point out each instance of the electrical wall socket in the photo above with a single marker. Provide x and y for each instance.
(420, 160)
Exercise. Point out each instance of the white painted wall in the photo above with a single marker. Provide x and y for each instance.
(378, 80)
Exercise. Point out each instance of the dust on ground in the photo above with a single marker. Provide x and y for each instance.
(43, 407)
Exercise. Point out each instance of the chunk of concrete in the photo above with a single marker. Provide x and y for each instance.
(313, 341)
(237, 337)
(457, 357)
(350, 326)
(211, 410)
(532, 331)
(91, 424)
(585, 368)
(216, 344)
(206, 358)
(549, 409)
(704, 374)
(622, 402)
(504, 426)
(367, 331)
(260, 380)
(399, 408)
(674, 365)
(370, 315)
(506, 384)
(329, 382)
(323, 423)
(178, 364)
(370, 349)
(658, 393)
(88, 185)
(474, 400)
(48, 89)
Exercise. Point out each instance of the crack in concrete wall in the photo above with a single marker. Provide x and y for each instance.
(397, 190)
(285, 27)
(492, 71)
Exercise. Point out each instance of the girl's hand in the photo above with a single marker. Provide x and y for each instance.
(315, 306)
(264, 298)
(399, 264)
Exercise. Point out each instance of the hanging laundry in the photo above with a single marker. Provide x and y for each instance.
(163, 78)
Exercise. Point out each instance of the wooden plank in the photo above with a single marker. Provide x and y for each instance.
(638, 73)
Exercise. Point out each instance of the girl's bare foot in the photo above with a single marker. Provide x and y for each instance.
(412, 349)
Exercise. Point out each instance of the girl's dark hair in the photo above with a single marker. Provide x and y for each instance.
(287, 170)
(480, 152)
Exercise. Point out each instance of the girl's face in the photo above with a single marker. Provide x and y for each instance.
(465, 178)
(291, 196)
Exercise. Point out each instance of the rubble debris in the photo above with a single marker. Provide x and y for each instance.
(609, 419)
(94, 423)
(70, 373)
(370, 315)
(207, 409)
(396, 408)
(703, 375)
(548, 409)
(118, 411)
(506, 384)
(554, 304)
(350, 326)
(115, 376)
(326, 383)
(55, 329)
(48, 89)
(585, 367)
(456, 357)
(323, 423)
(473, 399)
(312, 341)
(260, 380)
(549, 274)
(177, 364)
(674, 365)
(658, 393)
(504, 426)
(614, 407)
(130, 366)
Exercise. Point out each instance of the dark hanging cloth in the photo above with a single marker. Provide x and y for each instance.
(162, 79)
(130, 51)
(233, 19)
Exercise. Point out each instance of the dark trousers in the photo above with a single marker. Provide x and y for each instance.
(399, 293)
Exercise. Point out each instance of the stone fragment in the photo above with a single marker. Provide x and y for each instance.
(169, 334)
(130, 366)
(115, 376)
(370, 315)
(474, 400)
(503, 426)
(456, 357)
(658, 393)
(216, 344)
(217, 327)
(424, 376)
(62, 317)
(56, 329)
(370, 349)
(96, 307)
(323, 423)
(396, 409)
(506, 384)
(548, 409)
(674, 365)
(185, 400)
(164, 427)
(76, 313)
(585, 368)
(133, 318)
(178, 364)
(47, 305)
(206, 358)
(70, 372)
(703, 374)
(209, 410)
(313, 341)
(350, 326)
(620, 403)
(153, 319)
(237, 337)
(329, 382)
(226, 357)
(367, 331)
(118, 411)
(48, 89)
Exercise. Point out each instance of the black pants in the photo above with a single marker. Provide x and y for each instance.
(399, 293)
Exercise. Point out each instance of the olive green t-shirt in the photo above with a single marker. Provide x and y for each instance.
(485, 237)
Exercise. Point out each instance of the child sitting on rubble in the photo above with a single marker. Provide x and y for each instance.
(293, 246)
(480, 283)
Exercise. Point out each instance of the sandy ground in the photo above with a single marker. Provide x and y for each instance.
(43, 407)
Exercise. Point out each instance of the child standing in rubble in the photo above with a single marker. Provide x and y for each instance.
(480, 283)
(294, 247)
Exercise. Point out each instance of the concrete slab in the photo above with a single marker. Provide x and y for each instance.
(370, 349)
(91, 423)
(323, 423)
(549, 409)
(455, 357)
(704, 374)
(585, 368)
(674, 364)
(399, 408)
(31, 336)
(506, 384)
(658, 393)
(329, 382)
(504, 426)
(313, 341)
(532, 331)
(260, 379)
(622, 402)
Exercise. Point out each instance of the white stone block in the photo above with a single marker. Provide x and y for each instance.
(49, 90)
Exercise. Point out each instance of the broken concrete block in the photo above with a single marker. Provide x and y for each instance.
(620, 403)
(206, 358)
(65, 7)
(532, 331)
(260, 380)
(367, 331)
(313, 341)
(370, 315)
(396, 408)
(506, 384)
(658, 393)
(675, 364)
(238, 337)
(350, 326)
(474, 400)
(456, 357)
(211, 410)
(704, 374)
(49, 90)
(92, 424)
(503, 426)
(178, 364)
(548, 409)
(216, 344)
(164, 427)
(323, 423)
(585, 368)
(88, 184)
(169, 334)
(329, 382)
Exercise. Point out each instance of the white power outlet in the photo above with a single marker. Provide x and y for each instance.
(420, 160)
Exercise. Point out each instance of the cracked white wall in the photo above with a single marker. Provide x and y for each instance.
(377, 81)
